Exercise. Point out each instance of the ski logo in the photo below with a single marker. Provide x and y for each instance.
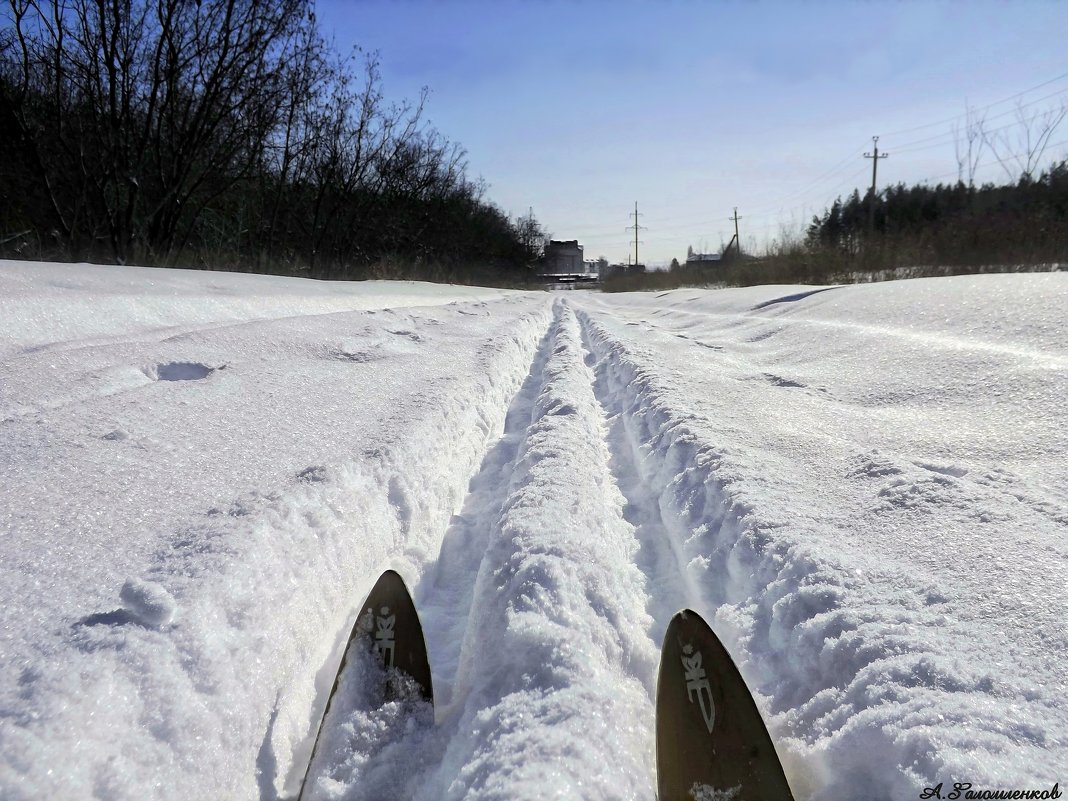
(697, 686)
(385, 640)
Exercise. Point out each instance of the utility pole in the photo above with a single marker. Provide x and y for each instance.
(874, 166)
(635, 215)
(737, 239)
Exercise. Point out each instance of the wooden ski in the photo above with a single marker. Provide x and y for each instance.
(711, 743)
(386, 643)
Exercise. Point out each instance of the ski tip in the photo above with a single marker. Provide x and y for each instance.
(688, 624)
(390, 577)
(709, 731)
(389, 607)
(388, 626)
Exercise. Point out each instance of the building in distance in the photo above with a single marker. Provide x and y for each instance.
(564, 258)
(699, 259)
(563, 265)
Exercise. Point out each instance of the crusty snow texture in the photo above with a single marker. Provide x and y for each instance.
(862, 488)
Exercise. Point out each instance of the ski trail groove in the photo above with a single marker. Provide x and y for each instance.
(415, 487)
(658, 557)
(551, 697)
(678, 472)
(444, 596)
(725, 563)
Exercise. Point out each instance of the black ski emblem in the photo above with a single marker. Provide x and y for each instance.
(697, 686)
(385, 641)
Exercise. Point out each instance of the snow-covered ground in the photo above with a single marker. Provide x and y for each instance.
(864, 489)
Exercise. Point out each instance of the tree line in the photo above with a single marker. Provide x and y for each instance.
(230, 134)
(901, 232)
(1024, 222)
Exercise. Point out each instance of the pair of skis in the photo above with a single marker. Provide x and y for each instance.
(711, 743)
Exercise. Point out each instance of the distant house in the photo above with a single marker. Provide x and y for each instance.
(698, 259)
(564, 258)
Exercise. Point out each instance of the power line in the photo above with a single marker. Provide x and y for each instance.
(923, 143)
(907, 146)
(834, 192)
(838, 168)
(776, 209)
(988, 163)
(982, 108)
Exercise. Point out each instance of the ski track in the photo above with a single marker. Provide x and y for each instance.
(641, 520)
(512, 644)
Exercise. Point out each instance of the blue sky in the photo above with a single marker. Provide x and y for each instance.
(579, 108)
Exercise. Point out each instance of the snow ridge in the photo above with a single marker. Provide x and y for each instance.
(258, 592)
(853, 691)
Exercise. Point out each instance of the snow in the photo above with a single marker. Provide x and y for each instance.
(202, 474)
(147, 602)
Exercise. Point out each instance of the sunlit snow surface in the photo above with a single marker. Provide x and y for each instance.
(864, 489)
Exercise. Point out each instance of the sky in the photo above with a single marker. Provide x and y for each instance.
(578, 109)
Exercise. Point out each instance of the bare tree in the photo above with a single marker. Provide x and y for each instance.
(136, 115)
(532, 236)
(969, 144)
(1025, 145)
(168, 129)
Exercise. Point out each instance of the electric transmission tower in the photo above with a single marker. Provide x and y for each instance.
(737, 239)
(874, 167)
(636, 227)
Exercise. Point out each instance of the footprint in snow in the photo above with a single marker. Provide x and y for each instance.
(312, 475)
(180, 371)
(779, 381)
(412, 335)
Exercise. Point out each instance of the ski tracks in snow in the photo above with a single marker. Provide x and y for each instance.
(554, 682)
(545, 610)
(536, 611)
